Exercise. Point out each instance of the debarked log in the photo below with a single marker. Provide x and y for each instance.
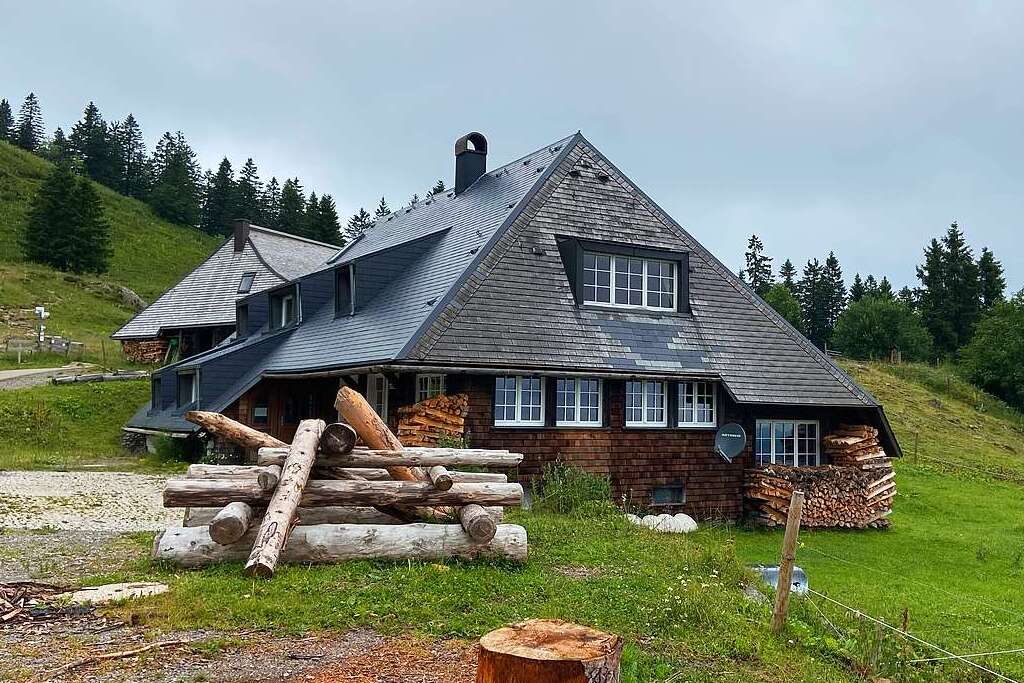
(410, 457)
(267, 477)
(231, 523)
(324, 543)
(218, 492)
(328, 514)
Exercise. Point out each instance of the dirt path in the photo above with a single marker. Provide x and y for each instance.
(30, 377)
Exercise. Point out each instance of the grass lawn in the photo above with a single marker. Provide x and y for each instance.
(69, 426)
(954, 557)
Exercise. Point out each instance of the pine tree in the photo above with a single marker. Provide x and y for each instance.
(885, 290)
(329, 227)
(382, 209)
(857, 289)
(29, 133)
(58, 150)
(219, 205)
(414, 199)
(6, 122)
(249, 192)
(835, 290)
(292, 217)
(907, 298)
(870, 286)
(91, 141)
(787, 273)
(758, 273)
(950, 295)
(358, 224)
(993, 284)
(814, 297)
(132, 168)
(438, 188)
(66, 227)
(312, 223)
(270, 205)
(177, 181)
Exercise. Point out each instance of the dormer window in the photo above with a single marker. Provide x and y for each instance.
(344, 289)
(284, 308)
(242, 320)
(246, 283)
(629, 282)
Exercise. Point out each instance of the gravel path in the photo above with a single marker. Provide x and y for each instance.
(30, 377)
(84, 501)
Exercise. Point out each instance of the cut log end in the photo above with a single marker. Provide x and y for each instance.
(478, 523)
(440, 477)
(231, 523)
(546, 651)
(338, 439)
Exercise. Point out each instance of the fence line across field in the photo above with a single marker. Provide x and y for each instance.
(949, 655)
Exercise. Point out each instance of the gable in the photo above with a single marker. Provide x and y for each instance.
(518, 310)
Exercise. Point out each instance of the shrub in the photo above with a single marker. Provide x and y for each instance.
(785, 304)
(872, 327)
(566, 489)
(995, 357)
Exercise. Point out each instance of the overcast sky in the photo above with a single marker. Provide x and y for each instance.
(859, 127)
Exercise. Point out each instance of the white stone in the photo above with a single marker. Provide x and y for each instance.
(665, 523)
(633, 519)
(98, 595)
(686, 522)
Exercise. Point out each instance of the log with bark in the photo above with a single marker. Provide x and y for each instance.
(549, 651)
(232, 430)
(214, 492)
(325, 543)
(283, 505)
(409, 457)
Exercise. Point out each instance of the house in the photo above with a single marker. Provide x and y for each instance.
(582, 322)
(198, 313)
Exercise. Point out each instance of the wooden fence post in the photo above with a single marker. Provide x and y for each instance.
(796, 507)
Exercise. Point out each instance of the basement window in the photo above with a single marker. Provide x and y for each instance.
(668, 495)
(697, 404)
(787, 442)
(429, 386)
(578, 402)
(645, 404)
(246, 283)
(519, 401)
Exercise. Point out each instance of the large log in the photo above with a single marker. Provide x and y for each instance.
(410, 457)
(381, 474)
(328, 514)
(267, 477)
(549, 651)
(281, 510)
(323, 543)
(318, 492)
(232, 430)
(231, 523)
(338, 437)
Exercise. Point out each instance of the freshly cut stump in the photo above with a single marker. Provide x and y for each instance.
(549, 651)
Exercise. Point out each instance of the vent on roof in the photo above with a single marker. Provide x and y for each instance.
(431, 302)
(470, 160)
(575, 173)
(603, 177)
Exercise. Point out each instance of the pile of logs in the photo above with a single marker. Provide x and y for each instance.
(326, 499)
(856, 491)
(441, 416)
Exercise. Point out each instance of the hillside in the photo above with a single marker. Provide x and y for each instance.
(149, 255)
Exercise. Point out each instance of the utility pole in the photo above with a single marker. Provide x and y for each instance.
(796, 508)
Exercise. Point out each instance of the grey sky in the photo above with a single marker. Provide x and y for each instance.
(863, 128)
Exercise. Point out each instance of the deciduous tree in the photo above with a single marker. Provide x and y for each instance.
(873, 326)
(785, 304)
(994, 359)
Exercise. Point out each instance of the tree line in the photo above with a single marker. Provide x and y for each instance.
(958, 312)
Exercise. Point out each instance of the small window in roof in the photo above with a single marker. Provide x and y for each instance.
(246, 284)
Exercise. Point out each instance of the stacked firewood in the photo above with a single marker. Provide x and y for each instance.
(325, 499)
(440, 416)
(856, 491)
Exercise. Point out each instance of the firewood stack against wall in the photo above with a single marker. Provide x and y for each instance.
(856, 491)
(424, 423)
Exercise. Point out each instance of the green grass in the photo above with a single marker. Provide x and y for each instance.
(674, 600)
(954, 557)
(149, 255)
(70, 426)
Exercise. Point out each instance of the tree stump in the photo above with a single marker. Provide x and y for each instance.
(549, 651)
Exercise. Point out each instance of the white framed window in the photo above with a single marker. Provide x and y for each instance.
(377, 386)
(429, 386)
(284, 308)
(787, 442)
(188, 388)
(519, 401)
(578, 402)
(629, 282)
(645, 404)
(697, 404)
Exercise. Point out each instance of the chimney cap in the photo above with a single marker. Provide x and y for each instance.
(478, 141)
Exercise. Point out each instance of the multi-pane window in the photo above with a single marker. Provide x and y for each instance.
(429, 386)
(519, 401)
(377, 394)
(645, 404)
(578, 402)
(628, 281)
(787, 442)
(697, 404)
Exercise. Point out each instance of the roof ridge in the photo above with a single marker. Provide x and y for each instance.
(814, 352)
(298, 238)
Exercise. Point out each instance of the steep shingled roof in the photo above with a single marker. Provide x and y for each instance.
(207, 295)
